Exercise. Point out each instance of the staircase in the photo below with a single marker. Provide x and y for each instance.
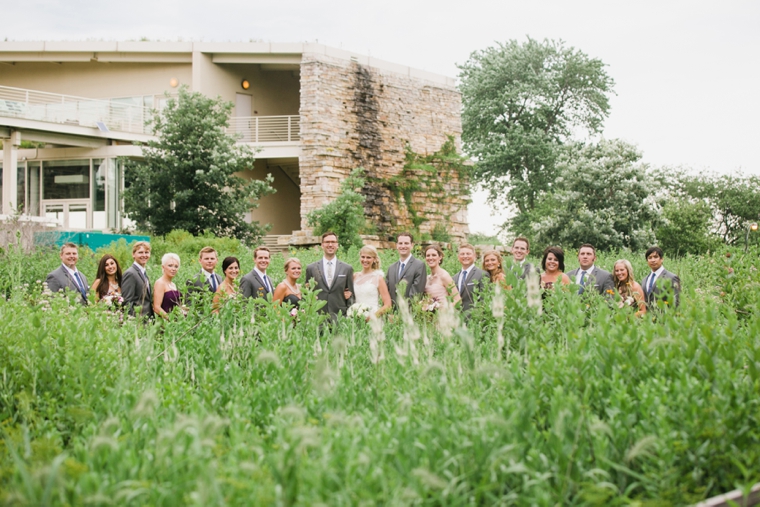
(272, 243)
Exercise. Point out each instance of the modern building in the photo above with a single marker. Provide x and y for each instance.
(70, 110)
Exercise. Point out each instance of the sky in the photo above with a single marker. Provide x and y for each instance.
(686, 72)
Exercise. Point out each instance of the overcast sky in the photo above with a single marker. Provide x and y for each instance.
(686, 72)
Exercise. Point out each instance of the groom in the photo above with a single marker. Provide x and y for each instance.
(407, 268)
(333, 278)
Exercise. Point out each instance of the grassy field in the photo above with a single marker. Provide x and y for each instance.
(580, 404)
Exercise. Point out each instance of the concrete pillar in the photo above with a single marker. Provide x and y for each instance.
(10, 173)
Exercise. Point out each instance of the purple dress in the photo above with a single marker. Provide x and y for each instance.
(171, 299)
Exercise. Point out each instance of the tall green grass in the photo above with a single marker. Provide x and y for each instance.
(581, 404)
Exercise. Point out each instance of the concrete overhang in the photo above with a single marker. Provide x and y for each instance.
(68, 135)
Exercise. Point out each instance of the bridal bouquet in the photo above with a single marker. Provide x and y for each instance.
(359, 310)
(430, 305)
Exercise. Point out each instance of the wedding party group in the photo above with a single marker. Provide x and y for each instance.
(369, 292)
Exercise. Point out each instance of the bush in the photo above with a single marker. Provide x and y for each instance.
(686, 228)
(345, 214)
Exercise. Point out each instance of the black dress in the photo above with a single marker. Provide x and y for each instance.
(292, 299)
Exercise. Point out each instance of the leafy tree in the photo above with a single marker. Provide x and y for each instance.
(686, 228)
(187, 179)
(734, 200)
(603, 196)
(521, 102)
(345, 214)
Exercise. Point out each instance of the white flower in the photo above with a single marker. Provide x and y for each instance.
(359, 310)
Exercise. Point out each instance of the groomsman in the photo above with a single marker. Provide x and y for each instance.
(520, 250)
(333, 278)
(469, 279)
(67, 277)
(257, 284)
(657, 284)
(407, 268)
(206, 280)
(588, 275)
(135, 285)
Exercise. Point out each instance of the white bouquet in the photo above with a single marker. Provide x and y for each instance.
(359, 310)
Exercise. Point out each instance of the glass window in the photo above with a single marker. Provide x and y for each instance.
(21, 188)
(66, 179)
(148, 101)
(99, 168)
(33, 189)
(1, 187)
(113, 196)
(77, 216)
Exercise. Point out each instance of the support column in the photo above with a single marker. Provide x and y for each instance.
(10, 173)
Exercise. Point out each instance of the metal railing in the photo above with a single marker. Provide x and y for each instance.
(266, 129)
(71, 110)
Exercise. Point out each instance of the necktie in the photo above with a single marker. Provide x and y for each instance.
(330, 273)
(651, 283)
(268, 285)
(583, 278)
(401, 269)
(462, 281)
(147, 282)
(80, 283)
(212, 280)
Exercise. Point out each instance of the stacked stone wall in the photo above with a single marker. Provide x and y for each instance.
(352, 116)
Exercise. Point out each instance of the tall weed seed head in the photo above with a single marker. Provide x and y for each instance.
(376, 338)
(534, 291)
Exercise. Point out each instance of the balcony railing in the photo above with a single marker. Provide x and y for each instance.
(266, 129)
(71, 110)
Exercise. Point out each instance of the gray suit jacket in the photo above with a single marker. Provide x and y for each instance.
(60, 279)
(199, 284)
(522, 271)
(415, 275)
(600, 279)
(660, 290)
(474, 281)
(137, 293)
(343, 279)
(253, 286)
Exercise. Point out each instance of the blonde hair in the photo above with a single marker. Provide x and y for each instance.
(371, 250)
(499, 269)
(139, 245)
(628, 282)
(170, 257)
(290, 261)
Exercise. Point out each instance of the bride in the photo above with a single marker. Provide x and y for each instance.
(369, 284)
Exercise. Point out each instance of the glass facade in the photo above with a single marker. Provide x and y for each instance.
(79, 194)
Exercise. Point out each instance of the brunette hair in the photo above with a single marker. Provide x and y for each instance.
(437, 249)
(521, 238)
(328, 233)
(407, 234)
(654, 249)
(499, 269)
(372, 251)
(558, 253)
(229, 261)
(102, 288)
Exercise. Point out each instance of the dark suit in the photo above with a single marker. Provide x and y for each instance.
(659, 292)
(60, 279)
(253, 286)
(137, 292)
(415, 275)
(200, 283)
(521, 272)
(600, 279)
(343, 278)
(473, 281)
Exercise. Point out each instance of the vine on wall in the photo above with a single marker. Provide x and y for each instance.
(436, 178)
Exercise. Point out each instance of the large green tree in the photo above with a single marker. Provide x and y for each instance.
(521, 102)
(602, 195)
(187, 178)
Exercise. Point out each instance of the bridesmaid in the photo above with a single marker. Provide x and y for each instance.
(440, 283)
(107, 285)
(492, 264)
(165, 294)
(553, 265)
(288, 290)
(227, 289)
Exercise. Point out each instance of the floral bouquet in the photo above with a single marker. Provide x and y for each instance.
(359, 310)
(430, 305)
(114, 300)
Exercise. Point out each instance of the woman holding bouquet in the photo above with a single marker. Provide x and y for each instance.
(107, 285)
(369, 284)
(631, 293)
(439, 284)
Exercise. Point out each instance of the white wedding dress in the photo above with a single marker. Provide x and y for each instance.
(366, 291)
